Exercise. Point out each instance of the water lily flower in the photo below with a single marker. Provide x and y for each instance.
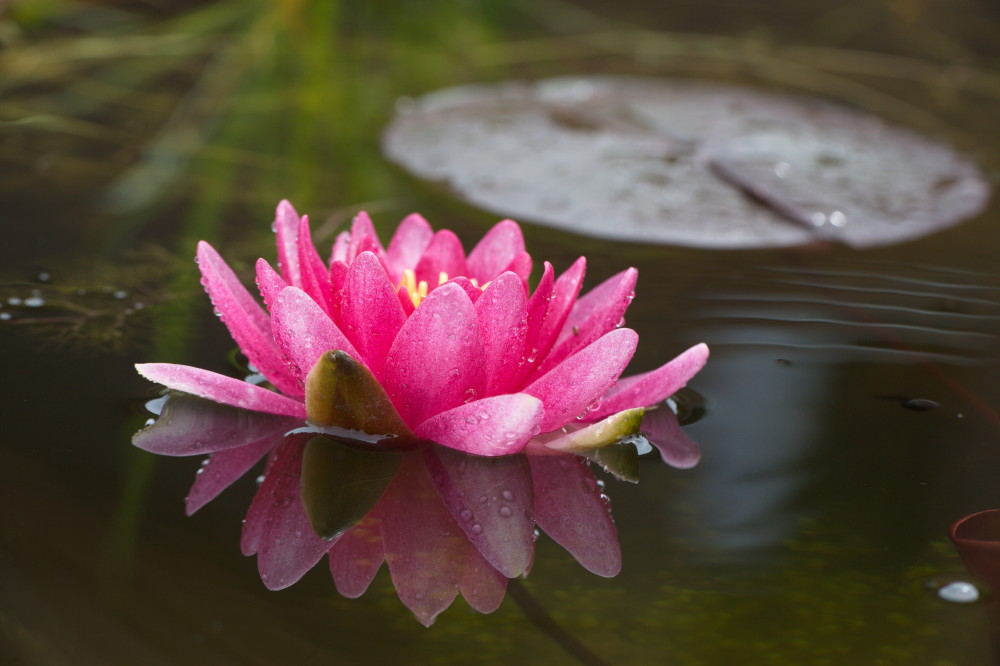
(393, 349)
(466, 354)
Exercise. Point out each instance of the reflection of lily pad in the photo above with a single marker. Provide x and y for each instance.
(686, 163)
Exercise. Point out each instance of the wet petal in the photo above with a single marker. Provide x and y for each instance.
(496, 426)
(596, 313)
(304, 331)
(652, 387)
(573, 385)
(269, 283)
(286, 228)
(571, 508)
(435, 363)
(364, 238)
(502, 314)
(491, 499)
(564, 293)
(314, 273)
(219, 388)
(444, 254)
(494, 252)
(371, 314)
(244, 317)
(223, 468)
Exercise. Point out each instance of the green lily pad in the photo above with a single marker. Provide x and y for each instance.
(341, 483)
(341, 392)
(620, 459)
(606, 432)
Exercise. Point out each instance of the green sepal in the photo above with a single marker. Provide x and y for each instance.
(341, 483)
(342, 393)
(598, 435)
(620, 459)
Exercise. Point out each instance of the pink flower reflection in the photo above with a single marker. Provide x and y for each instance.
(470, 357)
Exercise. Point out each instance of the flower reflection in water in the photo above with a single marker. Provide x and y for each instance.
(429, 410)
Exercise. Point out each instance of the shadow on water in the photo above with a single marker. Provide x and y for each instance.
(813, 530)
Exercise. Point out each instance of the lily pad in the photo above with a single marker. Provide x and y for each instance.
(684, 162)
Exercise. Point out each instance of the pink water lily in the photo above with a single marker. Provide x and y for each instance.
(469, 356)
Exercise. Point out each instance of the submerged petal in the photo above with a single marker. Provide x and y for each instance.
(219, 388)
(578, 521)
(222, 468)
(357, 556)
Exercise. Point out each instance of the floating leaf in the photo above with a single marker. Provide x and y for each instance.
(341, 392)
(341, 483)
(686, 163)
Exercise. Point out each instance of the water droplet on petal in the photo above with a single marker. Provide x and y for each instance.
(507, 495)
(476, 529)
(505, 512)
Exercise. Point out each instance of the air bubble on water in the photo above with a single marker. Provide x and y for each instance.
(959, 592)
(44, 277)
(120, 294)
(14, 300)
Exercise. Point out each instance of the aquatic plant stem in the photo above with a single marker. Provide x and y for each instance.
(538, 616)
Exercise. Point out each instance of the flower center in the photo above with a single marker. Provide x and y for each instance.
(417, 291)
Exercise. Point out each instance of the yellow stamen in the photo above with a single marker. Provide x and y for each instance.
(417, 291)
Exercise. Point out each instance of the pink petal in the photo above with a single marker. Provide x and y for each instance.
(287, 547)
(253, 524)
(471, 290)
(269, 283)
(652, 387)
(502, 314)
(405, 300)
(364, 238)
(222, 468)
(578, 521)
(407, 244)
(494, 252)
(492, 500)
(286, 227)
(435, 363)
(304, 331)
(444, 254)
(424, 547)
(219, 388)
(569, 388)
(340, 247)
(338, 281)
(661, 428)
(496, 426)
(357, 556)
(482, 586)
(521, 267)
(315, 274)
(593, 316)
(243, 316)
(371, 314)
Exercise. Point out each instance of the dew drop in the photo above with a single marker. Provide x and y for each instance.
(470, 395)
(465, 514)
(505, 512)
(507, 495)
(483, 499)
(476, 529)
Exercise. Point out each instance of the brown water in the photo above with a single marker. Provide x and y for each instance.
(812, 532)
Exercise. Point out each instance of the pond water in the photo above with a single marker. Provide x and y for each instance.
(848, 414)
